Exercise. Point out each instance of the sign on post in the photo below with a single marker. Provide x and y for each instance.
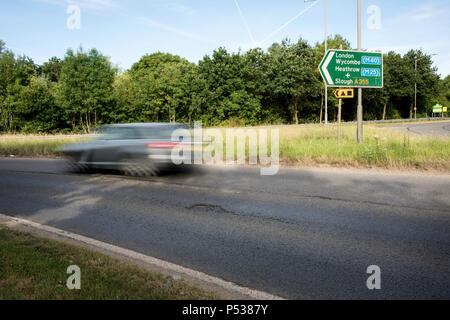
(439, 108)
(353, 69)
(344, 93)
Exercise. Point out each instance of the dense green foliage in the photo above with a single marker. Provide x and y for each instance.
(280, 85)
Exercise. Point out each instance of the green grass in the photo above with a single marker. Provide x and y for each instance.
(381, 148)
(35, 268)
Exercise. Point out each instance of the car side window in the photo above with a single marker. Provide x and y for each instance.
(162, 132)
(116, 133)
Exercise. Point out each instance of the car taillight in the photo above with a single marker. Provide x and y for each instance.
(162, 145)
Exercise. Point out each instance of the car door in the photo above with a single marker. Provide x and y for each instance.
(114, 144)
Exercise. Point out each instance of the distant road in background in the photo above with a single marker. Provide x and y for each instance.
(441, 128)
(442, 123)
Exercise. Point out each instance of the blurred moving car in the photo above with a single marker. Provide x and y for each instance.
(138, 149)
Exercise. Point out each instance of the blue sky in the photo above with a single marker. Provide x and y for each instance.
(126, 30)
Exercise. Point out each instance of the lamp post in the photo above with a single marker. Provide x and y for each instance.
(325, 36)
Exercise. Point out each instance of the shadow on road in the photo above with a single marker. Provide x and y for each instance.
(300, 234)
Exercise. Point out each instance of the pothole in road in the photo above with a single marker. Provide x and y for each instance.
(204, 207)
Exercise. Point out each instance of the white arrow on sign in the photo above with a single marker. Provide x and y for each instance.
(325, 66)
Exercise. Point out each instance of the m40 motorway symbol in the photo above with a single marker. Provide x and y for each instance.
(352, 69)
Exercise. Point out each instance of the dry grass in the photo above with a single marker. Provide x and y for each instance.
(381, 148)
(304, 145)
(35, 145)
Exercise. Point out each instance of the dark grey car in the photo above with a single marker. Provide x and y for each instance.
(138, 149)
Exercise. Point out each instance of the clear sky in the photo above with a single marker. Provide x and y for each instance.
(126, 30)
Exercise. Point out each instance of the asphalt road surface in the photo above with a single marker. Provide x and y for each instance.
(302, 234)
(439, 128)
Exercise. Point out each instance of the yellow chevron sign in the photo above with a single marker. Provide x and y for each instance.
(344, 93)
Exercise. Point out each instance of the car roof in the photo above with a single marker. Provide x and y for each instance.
(146, 125)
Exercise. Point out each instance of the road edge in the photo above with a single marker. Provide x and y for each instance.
(225, 289)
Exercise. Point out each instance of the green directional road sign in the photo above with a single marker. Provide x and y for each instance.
(438, 108)
(352, 69)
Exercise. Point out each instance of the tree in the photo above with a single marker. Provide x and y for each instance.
(376, 101)
(151, 62)
(444, 93)
(279, 85)
(51, 70)
(37, 108)
(232, 84)
(86, 88)
(125, 95)
(9, 107)
(25, 69)
(395, 86)
(2, 46)
(164, 86)
(7, 79)
(426, 77)
(292, 74)
(14, 73)
(256, 73)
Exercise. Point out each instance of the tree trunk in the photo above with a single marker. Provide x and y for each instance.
(170, 116)
(411, 112)
(339, 120)
(87, 122)
(293, 107)
(384, 111)
(82, 122)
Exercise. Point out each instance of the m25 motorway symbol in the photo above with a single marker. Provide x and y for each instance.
(352, 69)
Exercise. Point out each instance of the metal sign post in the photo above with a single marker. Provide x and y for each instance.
(359, 112)
(339, 121)
(353, 69)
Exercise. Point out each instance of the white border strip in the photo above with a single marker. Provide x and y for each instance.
(255, 294)
(325, 68)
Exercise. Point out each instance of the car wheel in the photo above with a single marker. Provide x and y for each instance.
(138, 168)
(76, 167)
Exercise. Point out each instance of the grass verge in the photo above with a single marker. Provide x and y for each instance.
(35, 268)
(34, 146)
(382, 148)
